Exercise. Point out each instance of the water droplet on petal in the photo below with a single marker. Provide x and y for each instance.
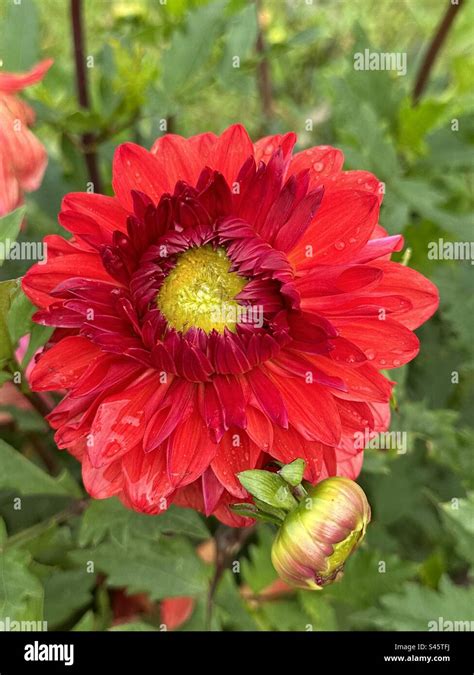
(318, 166)
(339, 245)
(370, 354)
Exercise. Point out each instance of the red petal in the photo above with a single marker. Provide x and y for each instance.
(177, 405)
(146, 484)
(190, 451)
(350, 467)
(355, 180)
(322, 280)
(290, 445)
(363, 381)
(407, 282)
(232, 400)
(212, 490)
(178, 158)
(61, 366)
(323, 161)
(175, 611)
(268, 397)
(10, 193)
(13, 82)
(230, 151)
(104, 482)
(379, 248)
(386, 344)
(299, 221)
(134, 168)
(235, 453)
(342, 227)
(311, 409)
(105, 211)
(119, 423)
(203, 144)
(259, 428)
(41, 279)
(265, 147)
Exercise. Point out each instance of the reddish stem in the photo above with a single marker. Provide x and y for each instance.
(434, 48)
(88, 139)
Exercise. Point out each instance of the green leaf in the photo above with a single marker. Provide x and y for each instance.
(190, 49)
(276, 516)
(19, 474)
(8, 290)
(39, 336)
(240, 38)
(19, 316)
(135, 627)
(9, 230)
(3, 532)
(322, 614)
(260, 511)
(415, 121)
(418, 608)
(268, 487)
(168, 568)
(257, 570)
(66, 592)
(459, 518)
(368, 575)
(284, 615)
(109, 517)
(232, 609)
(402, 494)
(20, 30)
(293, 473)
(86, 622)
(21, 593)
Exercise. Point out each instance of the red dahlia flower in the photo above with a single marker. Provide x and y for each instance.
(174, 386)
(22, 157)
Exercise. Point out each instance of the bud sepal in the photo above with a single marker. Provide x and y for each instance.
(319, 526)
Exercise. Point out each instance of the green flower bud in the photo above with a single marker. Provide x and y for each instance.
(317, 537)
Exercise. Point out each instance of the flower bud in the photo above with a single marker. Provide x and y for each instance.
(317, 537)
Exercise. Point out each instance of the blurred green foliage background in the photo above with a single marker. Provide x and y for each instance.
(173, 62)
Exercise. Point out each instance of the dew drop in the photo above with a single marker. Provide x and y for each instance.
(339, 245)
(396, 362)
(370, 354)
(383, 362)
(318, 166)
(352, 240)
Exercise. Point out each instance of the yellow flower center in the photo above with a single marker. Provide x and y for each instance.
(200, 291)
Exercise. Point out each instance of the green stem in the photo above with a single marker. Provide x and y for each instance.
(229, 541)
(300, 493)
